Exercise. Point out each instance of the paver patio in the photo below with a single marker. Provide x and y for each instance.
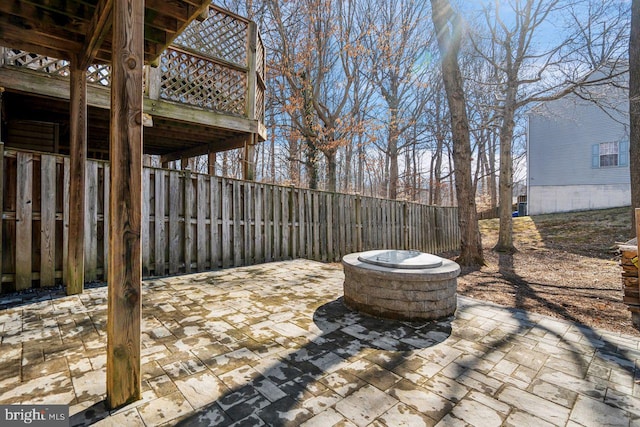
(273, 344)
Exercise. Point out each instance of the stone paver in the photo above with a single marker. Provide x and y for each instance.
(273, 344)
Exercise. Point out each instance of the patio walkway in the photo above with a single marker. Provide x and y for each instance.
(273, 345)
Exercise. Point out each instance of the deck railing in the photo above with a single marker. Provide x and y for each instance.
(193, 222)
(217, 64)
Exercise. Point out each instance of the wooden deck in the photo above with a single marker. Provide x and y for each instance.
(205, 94)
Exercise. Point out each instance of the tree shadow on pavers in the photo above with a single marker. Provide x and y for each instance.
(533, 342)
(603, 347)
(348, 351)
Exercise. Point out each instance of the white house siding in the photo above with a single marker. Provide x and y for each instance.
(560, 174)
(566, 198)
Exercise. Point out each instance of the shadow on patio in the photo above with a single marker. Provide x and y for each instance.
(273, 345)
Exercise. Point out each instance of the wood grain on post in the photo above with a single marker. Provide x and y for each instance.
(78, 151)
(125, 205)
(47, 221)
(1, 196)
(637, 210)
(24, 220)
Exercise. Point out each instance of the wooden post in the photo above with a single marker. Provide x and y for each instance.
(1, 176)
(248, 165)
(154, 74)
(252, 77)
(77, 166)
(211, 162)
(125, 205)
(1, 206)
(1, 92)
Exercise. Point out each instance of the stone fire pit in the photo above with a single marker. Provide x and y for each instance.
(403, 285)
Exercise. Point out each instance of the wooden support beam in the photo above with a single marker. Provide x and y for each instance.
(252, 74)
(1, 92)
(125, 205)
(211, 162)
(98, 28)
(248, 164)
(78, 150)
(202, 149)
(1, 206)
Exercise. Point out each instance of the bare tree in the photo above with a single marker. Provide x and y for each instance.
(315, 60)
(396, 44)
(529, 71)
(449, 29)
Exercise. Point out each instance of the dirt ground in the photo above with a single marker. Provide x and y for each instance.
(566, 266)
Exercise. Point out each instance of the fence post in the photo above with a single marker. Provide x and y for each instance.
(1, 200)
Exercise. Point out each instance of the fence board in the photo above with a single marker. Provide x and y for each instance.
(160, 230)
(175, 209)
(247, 199)
(237, 218)
(329, 227)
(47, 221)
(309, 223)
(302, 249)
(66, 181)
(201, 226)
(188, 213)
(91, 222)
(226, 223)
(214, 192)
(146, 218)
(259, 253)
(24, 220)
(105, 222)
(286, 232)
(276, 231)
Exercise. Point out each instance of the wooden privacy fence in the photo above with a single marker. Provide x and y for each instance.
(193, 222)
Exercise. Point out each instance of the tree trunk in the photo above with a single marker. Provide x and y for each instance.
(493, 193)
(361, 157)
(312, 164)
(448, 28)
(505, 232)
(348, 156)
(330, 155)
(272, 158)
(634, 107)
(392, 151)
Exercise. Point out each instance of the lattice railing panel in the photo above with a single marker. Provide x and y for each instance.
(260, 58)
(99, 74)
(219, 36)
(198, 81)
(260, 103)
(36, 62)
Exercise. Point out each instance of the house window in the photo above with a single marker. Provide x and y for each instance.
(610, 154)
